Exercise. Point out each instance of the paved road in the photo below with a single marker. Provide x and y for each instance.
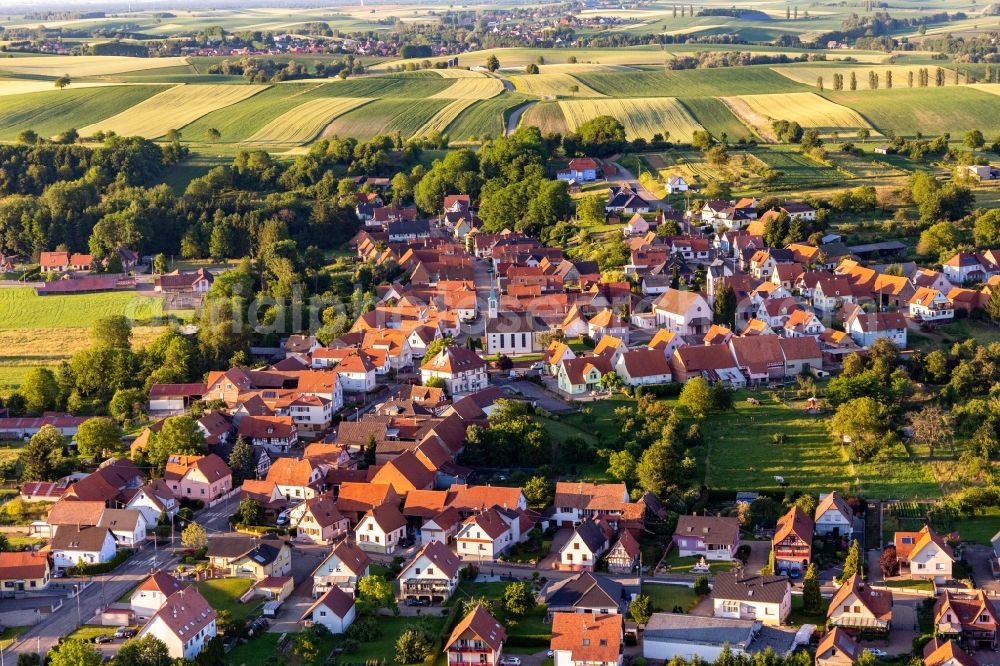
(515, 117)
(625, 176)
(79, 610)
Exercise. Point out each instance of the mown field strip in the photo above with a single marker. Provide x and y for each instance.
(445, 117)
(458, 73)
(471, 88)
(384, 116)
(77, 66)
(807, 109)
(548, 117)
(306, 121)
(26, 87)
(172, 109)
(808, 74)
(641, 117)
(555, 84)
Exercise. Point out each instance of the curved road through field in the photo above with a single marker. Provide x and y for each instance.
(515, 116)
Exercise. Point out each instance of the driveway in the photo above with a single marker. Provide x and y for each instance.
(545, 399)
(904, 628)
(759, 554)
(979, 557)
(558, 539)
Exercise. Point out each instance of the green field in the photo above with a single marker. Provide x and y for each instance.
(384, 116)
(547, 117)
(691, 82)
(224, 594)
(666, 597)
(240, 121)
(49, 113)
(930, 111)
(20, 308)
(488, 116)
(716, 117)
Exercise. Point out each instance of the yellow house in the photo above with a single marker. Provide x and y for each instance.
(23, 571)
(248, 556)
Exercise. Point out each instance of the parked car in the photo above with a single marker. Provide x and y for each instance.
(417, 602)
(103, 639)
(125, 632)
(511, 661)
(877, 652)
(282, 519)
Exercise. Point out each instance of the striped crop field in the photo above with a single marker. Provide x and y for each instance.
(716, 117)
(485, 118)
(445, 117)
(459, 73)
(384, 116)
(547, 117)
(807, 109)
(305, 122)
(927, 111)
(555, 84)
(750, 80)
(471, 88)
(77, 66)
(640, 117)
(579, 68)
(808, 74)
(172, 109)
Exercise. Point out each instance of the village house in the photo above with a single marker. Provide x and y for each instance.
(587, 543)
(23, 571)
(624, 557)
(462, 370)
(857, 606)
(931, 305)
(792, 542)
(243, 555)
(185, 623)
(576, 501)
(343, 567)
(925, 554)
(513, 333)
(580, 169)
(745, 596)
(127, 526)
(297, 479)
(683, 312)
(866, 327)
(477, 639)
(335, 610)
(381, 529)
(580, 375)
(197, 282)
(586, 592)
(837, 648)
(942, 652)
(74, 544)
(967, 616)
(669, 636)
(711, 537)
(151, 594)
(833, 515)
(155, 499)
(317, 520)
(643, 366)
(276, 434)
(204, 478)
(676, 184)
(432, 575)
(485, 536)
(583, 639)
(63, 262)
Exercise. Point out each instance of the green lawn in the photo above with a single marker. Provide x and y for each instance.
(667, 597)
(88, 632)
(385, 647)
(224, 594)
(799, 616)
(10, 634)
(685, 564)
(255, 652)
(979, 529)
(911, 584)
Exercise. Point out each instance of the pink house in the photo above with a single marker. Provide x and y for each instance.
(205, 478)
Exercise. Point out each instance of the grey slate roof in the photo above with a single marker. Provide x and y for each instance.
(750, 587)
(584, 590)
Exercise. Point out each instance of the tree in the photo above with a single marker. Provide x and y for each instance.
(242, 462)
(812, 599)
(993, 305)
(590, 210)
(863, 421)
(610, 381)
(986, 229)
(518, 599)
(932, 427)
(43, 452)
(114, 332)
(127, 404)
(621, 466)
(538, 491)
(39, 390)
(173, 135)
(371, 451)
(492, 63)
(180, 435)
(888, 562)
(436, 382)
(99, 438)
(377, 591)
(214, 134)
(695, 398)
(75, 652)
(29, 137)
(531, 69)
(194, 536)
(701, 587)
(412, 646)
(250, 511)
(601, 136)
(974, 139)
(62, 81)
(641, 609)
(724, 306)
(853, 562)
(867, 658)
(146, 651)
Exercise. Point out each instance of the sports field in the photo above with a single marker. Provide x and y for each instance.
(172, 109)
(640, 117)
